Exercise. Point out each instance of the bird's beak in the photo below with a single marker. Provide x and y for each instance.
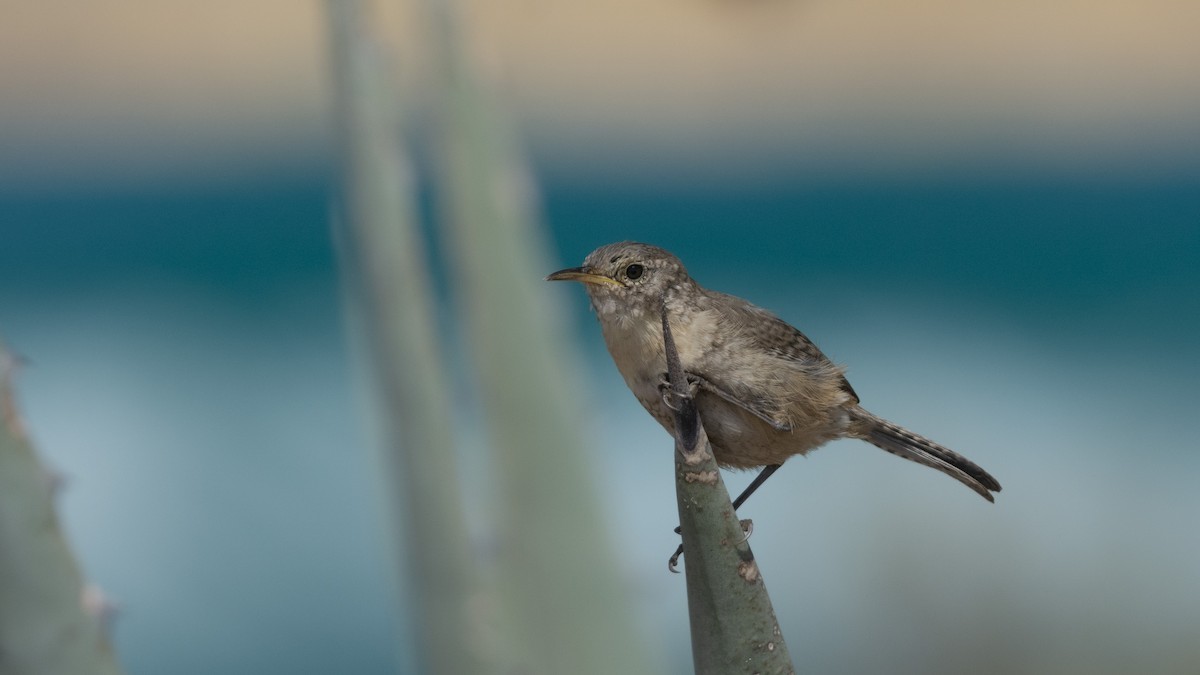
(581, 274)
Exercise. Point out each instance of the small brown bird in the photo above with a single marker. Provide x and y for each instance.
(763, 389)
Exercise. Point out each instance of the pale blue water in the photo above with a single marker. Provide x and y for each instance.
(189, 373)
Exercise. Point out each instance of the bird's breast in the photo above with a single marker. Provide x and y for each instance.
(637, 348)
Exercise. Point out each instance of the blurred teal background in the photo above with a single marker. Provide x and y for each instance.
(990, 214)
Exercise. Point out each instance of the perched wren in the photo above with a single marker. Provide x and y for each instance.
(763, 389)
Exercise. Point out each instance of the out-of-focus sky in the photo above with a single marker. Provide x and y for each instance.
(127, 89)
(989, 211)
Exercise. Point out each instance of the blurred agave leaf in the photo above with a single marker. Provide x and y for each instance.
(385, 260)
(559, 581)
(50, 622)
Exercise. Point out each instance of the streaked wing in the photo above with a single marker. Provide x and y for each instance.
(774, 334)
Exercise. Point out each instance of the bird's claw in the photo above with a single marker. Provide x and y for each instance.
(747, 528)
(673, 562)
(668, 392)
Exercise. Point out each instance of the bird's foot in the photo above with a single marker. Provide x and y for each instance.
(673, 561)
(747, 530)
(669, 396)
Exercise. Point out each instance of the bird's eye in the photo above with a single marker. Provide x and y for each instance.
(634, 272)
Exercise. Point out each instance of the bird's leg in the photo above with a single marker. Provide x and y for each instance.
(737, 503)
(755, 484)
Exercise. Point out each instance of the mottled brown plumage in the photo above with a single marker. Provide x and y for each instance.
(765, 392)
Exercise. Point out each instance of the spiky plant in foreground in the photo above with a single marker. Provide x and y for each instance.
(51, 622)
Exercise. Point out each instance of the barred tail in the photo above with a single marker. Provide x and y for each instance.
(904, 443)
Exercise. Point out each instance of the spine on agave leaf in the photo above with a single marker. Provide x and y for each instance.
(50, 620)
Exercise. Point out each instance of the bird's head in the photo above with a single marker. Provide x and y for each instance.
(627, 277)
